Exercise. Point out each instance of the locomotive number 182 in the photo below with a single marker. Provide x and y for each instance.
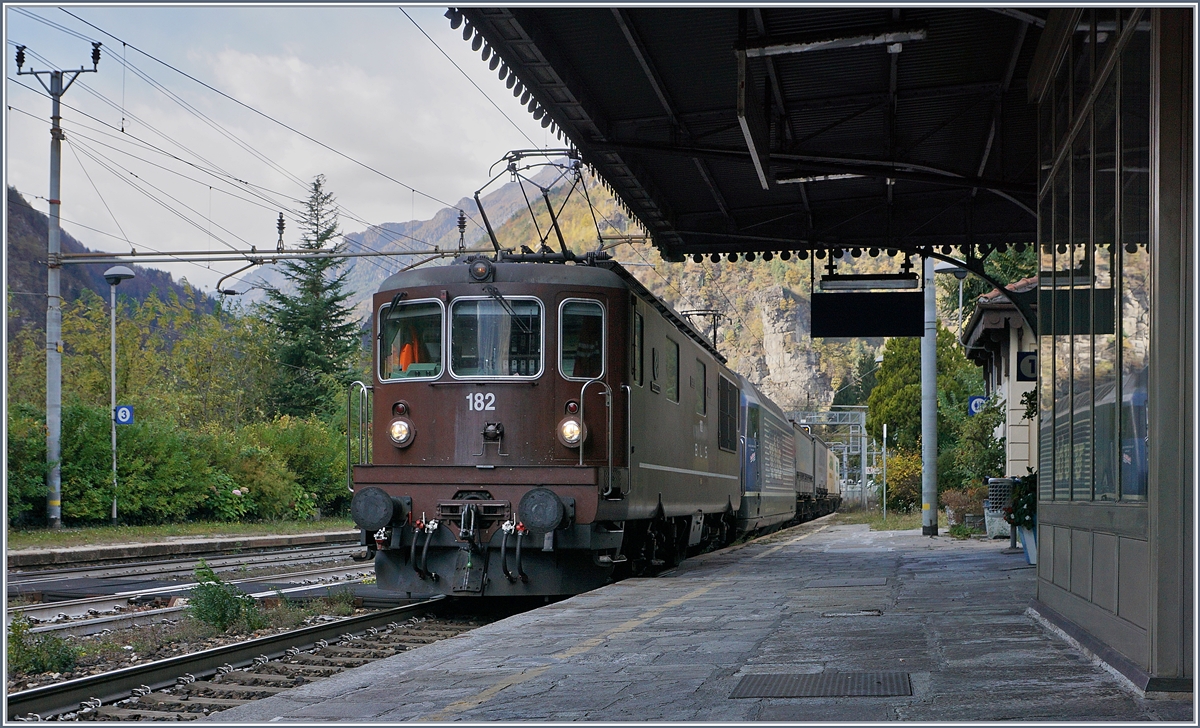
(481, 401)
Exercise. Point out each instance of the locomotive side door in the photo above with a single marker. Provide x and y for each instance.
(753, 476)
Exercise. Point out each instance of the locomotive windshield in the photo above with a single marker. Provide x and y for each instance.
(496, 338)
(410, 341)
(581, 339)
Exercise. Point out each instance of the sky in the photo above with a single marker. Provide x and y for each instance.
(363, 81)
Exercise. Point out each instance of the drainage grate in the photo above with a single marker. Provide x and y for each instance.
(824, 685)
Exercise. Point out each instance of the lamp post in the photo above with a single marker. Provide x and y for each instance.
(114, 276)
(960, 274)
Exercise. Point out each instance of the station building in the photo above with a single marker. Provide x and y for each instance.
(1113, 89)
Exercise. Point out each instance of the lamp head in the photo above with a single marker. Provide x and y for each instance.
(116, 274)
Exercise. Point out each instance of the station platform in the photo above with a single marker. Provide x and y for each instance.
(868, 626)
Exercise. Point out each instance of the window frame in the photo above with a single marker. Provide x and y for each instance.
(495, 377)
(735, 414)
(379, 342)
(603, 338)
(666, 390)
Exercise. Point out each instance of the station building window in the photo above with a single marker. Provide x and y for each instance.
(1094, 287)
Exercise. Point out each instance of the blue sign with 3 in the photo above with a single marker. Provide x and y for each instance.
(123, 414)
(975, 405)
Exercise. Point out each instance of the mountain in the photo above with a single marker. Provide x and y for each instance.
(26, 271)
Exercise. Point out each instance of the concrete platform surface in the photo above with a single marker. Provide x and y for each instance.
(818, 598)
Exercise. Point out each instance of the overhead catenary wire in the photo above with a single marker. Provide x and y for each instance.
(464, 73)
(319, 143)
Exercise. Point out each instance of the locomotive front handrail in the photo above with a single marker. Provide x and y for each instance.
(362, 432)
(608, 404)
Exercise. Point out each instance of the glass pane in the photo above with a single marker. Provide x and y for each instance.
(1045, 141)
(1062, 102)
(701, 387)
(639, 356)
(1135, 261)
(1106, 33)
(410, 342)
(1104, 352)
(1081, 61)
(727, 405)
(1062, 333)
(671, 370)
(496, 338)
(582, 340)
(1080, 290)
(1046, 348)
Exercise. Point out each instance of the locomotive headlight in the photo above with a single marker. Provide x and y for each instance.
(401, 431)
(571, 432)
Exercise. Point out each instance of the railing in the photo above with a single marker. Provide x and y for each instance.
(362, 433)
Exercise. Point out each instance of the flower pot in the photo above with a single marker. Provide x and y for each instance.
(1029, 543)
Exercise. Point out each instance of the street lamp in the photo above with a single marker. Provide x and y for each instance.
(960, 274)
(114, 276)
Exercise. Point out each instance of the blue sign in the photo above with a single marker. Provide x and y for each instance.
(975, 405)
(1027, 366)
(123, 414)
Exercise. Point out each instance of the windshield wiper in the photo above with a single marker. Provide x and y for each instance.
(498, 297)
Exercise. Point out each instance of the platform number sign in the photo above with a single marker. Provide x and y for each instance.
(123, 414)
(975, 405)
(1027, 366)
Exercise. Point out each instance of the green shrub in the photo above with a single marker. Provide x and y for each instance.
(30, 653)
(221, 605)
(26, 491)
(314, 452)
(904, 481)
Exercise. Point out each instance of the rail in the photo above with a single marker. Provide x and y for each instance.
(608, 404)
(361, 433)
(65, 697)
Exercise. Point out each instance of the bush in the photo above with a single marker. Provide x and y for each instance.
(221, 605)
(904, 481)
(30, 653)
(314, 452)
(963, 500)
(26, 465)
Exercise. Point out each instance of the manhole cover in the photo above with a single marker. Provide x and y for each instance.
(824, 685)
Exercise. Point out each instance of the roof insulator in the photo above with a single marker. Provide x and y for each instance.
(525, 97)
(477, 42)
(494, 62)
(511, 80)
(538, 113)
(503, 70)
(487, 52)
(467, 30)
(545, 121)
(532, 105)
(456, 18)
(518, 89)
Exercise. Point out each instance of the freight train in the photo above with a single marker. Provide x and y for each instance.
(543, 424)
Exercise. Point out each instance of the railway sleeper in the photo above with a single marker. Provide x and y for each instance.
(305, 670)
(239, 677)
(109, 712)
(377, 653)
(192, 704)
(212, 689)
(329, 661)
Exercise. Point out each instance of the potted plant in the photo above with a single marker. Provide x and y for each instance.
(1023, 514)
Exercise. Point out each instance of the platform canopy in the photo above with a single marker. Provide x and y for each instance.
(727, 130)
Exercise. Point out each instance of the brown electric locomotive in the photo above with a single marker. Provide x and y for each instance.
(543, 421)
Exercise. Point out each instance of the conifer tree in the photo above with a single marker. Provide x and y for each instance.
(316, 337)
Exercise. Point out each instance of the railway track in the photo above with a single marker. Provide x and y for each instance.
(192, 686)
(183, 566)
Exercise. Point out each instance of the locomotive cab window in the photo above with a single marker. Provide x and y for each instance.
(581, 339)
(638, 356)
(410, 340)
(499, 337)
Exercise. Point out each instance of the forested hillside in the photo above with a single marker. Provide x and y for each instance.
(26, 273)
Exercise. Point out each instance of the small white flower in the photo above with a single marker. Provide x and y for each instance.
(237, 491)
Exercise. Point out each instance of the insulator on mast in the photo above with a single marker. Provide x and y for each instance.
(462, 230)
(279, 226)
